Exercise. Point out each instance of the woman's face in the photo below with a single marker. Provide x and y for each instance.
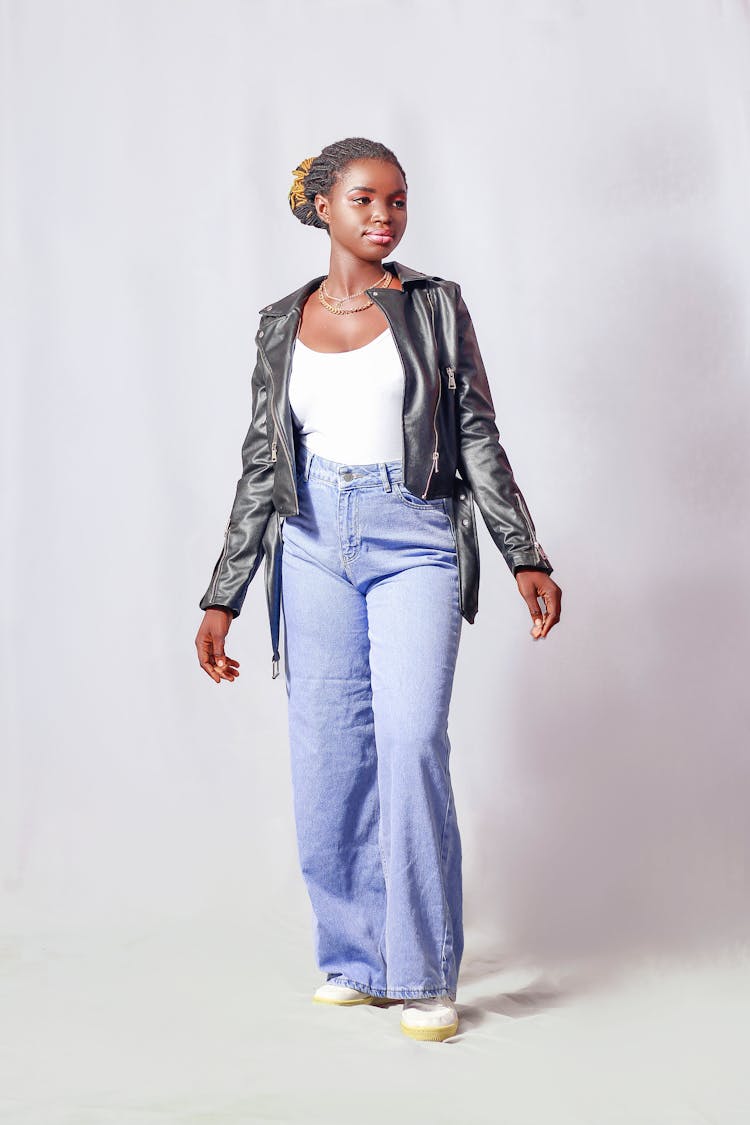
(369, 200)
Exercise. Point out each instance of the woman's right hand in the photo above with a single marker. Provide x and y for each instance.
(210, 645)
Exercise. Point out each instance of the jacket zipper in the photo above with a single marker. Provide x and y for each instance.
(277, 425)
(275, 658)
(527, 517)
(435, 454)
(220, 563)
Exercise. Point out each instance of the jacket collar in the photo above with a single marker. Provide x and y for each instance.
(294, 301)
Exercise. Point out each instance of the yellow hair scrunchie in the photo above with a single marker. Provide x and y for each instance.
(297, 191)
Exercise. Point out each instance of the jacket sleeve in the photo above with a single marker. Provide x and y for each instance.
(483, 462)
(243, 552)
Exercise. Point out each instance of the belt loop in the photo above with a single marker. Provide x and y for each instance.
(384, 476)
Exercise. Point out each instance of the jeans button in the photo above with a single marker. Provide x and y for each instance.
(347, 476)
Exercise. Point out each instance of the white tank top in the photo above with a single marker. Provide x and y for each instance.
(348, 405)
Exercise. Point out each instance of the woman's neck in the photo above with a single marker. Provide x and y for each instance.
(352, 276)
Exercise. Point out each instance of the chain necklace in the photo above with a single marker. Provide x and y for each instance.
(359, 292)
(322, 294)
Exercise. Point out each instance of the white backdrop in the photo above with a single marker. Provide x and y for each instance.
(583, 170)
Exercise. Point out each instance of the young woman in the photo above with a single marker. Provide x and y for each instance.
(372, 434)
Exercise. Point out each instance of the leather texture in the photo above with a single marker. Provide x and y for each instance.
(451, 444)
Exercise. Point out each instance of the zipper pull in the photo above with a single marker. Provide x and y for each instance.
(433, 469)
(273, 450)
(451, 378)
(275, 667)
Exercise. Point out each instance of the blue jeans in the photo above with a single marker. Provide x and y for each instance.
(372, 624)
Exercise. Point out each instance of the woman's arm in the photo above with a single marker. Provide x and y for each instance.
(482, 460)
(484, 464)
(243, 552)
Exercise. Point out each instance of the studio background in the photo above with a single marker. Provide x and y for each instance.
(583, 170)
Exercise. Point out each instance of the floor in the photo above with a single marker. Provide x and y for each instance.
(168, 1026)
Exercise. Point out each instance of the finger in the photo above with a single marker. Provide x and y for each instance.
(229, 673)
(219, 674)
(537, 614)
(209, 669)
(225, 671)
(533, 605)
(552, 615)
(217, 650)
(205, 659)
(208, 657)
(550, 620)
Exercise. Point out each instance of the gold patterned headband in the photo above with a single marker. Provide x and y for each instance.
(297, 191)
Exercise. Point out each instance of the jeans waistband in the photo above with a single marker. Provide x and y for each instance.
(343, 475)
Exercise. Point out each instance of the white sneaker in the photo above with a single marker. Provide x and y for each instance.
(432, 1018)
(340, 994)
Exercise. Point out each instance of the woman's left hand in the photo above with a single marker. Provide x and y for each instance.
(537, 583)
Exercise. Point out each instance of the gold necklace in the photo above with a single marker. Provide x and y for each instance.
(358, 308)
(359, 293)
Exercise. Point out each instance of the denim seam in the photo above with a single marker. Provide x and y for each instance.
(452, 525)
(340, 529)
(383, 940)
(443, 963)
(395, 993)
(442, 885)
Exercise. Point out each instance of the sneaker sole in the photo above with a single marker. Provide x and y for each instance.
(342, 1003)
(431, 1034)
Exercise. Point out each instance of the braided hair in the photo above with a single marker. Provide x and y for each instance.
(319, 173)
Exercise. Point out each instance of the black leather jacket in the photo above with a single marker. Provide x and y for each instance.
(451, 445)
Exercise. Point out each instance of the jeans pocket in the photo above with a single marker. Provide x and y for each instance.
(300, 479)
(411, 500)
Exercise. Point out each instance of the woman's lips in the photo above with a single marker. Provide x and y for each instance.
(380, 237)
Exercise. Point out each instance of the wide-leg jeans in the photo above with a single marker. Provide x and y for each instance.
(372, 624)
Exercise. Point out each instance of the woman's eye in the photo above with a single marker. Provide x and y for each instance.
(400, 203)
